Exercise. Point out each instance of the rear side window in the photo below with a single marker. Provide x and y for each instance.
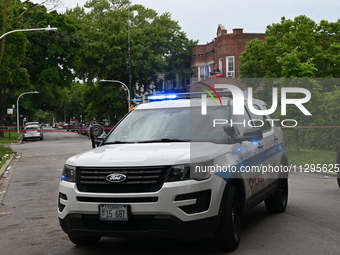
(32, 128)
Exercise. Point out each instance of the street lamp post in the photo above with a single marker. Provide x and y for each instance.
(125, 86)
(33, 92)
(30, 29)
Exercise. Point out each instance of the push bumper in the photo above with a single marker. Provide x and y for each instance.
(146, 226)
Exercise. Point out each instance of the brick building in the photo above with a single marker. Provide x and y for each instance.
(221, 57)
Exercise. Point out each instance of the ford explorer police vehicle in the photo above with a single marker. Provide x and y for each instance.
(169, 170)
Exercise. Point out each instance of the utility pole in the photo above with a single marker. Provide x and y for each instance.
(129, 53)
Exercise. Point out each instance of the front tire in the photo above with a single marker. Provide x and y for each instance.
(229, 230)
(277, 202)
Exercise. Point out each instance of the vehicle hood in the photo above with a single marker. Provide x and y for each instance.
(148, 154)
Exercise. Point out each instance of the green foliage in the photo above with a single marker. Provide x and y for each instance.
(36, 60)
(4, 150)
(9, 137)
(121, 38)
(294, 48)
(296, 51)
(105, 101)
(105, 39)
(51, 57)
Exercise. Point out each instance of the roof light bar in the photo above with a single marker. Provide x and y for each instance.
(188, 95)
(162, 97)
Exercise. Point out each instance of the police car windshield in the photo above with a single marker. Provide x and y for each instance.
(171, 125)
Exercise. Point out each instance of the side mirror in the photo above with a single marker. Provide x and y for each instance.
(231, 133)
(251, 134)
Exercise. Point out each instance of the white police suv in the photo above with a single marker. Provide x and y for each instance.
(181, 167)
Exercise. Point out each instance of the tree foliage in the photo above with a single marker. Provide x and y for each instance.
(294, 48)
(296, 52)
(35, 60)
(123, 39)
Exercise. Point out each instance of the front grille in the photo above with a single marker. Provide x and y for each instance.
(136, 222)
(139, 179)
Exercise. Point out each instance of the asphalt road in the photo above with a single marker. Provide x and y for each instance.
(29, 224)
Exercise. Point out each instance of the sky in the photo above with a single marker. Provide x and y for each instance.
(199, 19)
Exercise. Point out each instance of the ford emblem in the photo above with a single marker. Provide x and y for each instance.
(115, 178)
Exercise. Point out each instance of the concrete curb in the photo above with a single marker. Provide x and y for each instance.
(6, 165)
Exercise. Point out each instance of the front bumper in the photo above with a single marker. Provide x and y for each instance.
(142, 226)
(32, 136)
(187, 209)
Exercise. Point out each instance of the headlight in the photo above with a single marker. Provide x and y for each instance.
(195, 171)
(69, 173)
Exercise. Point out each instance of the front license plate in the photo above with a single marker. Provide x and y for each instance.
(113, 212)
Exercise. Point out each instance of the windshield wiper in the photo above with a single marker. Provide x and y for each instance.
(165, 140)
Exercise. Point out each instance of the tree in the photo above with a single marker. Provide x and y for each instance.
(294, 48)
(120, 36)
(31, 61)
(52, 57)
(12, 51)
(296, 52)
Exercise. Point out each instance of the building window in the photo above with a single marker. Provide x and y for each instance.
(220, 65)
(201, 72)
(230, 66)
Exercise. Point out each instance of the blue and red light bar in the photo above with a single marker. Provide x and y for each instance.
(188, 95)
(162, 97)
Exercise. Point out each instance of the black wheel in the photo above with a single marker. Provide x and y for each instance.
(229, 230)
(339, 179)
(84, 240)
(277, 202)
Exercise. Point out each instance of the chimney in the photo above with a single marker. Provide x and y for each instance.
(237, 31)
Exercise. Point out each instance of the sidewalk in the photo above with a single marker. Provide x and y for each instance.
(6, 165)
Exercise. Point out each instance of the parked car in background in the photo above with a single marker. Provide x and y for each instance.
(77, 126)
(71, 126)
(58, 125)
(81, 128)
(33, 132)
